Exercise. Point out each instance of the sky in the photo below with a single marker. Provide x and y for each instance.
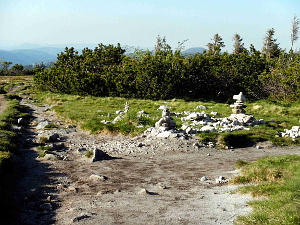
(138, 23)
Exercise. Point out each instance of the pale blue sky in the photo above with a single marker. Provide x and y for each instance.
(138, 23)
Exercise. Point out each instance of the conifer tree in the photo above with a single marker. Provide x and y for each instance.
(161, 45)
(270, 48)
(295, 30)
(215, 47)
(238, 46)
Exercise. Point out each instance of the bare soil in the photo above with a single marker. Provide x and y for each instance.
(147, 181)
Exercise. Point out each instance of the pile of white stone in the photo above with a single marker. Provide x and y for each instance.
(197, 122)
(293, 133)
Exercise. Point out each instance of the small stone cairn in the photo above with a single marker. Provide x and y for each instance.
(164, 127)
(239, 116)
(126, 108)
(238, 106)
(166, 122)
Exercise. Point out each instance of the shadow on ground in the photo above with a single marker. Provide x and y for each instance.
(29, 196)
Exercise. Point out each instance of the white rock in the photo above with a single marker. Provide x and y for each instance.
(203, 178)
(96, 177)
(42, 124)
(208, 129)
(162, 107)
(164, 134)
(143, 192)
(189, 130)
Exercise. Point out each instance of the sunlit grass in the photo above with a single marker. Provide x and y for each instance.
(277, 180)
(8, 139)
(8, 82)
(89, 112)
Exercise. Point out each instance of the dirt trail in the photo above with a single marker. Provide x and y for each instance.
(159, 183)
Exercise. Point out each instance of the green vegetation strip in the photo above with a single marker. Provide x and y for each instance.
(8, 138)
(277, 180)
(89, 112)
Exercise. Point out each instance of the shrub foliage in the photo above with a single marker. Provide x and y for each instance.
(163, 74)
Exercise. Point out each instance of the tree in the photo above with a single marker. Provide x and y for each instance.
(295, 30)
(161, 45)
(17, 69)
(181, 45)
(4, 65)
(270, 47)
(215, 47)
(238, 46)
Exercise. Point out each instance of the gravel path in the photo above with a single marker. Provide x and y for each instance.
(146, 181)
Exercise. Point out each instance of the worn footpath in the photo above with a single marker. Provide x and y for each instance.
(135, 180)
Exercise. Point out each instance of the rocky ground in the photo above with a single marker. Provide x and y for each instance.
(145, 180)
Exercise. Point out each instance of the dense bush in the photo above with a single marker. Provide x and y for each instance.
(166, 74)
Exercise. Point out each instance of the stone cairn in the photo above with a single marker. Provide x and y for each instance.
(166, 122)
(238, 106)
(126, 108)
(238, 120)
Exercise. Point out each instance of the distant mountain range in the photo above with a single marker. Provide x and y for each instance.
(29, 54)
(192, 51)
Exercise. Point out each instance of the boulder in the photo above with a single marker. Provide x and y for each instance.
(96, 177)
(143, 191)
(193, 116)
(54, 137)
(165, 134)
(42, 124)
(99, 155)
(208, 129)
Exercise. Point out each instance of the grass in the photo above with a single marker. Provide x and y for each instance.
(43, 140)
(89, 154)
(8, 141)
(89, 112)
(50, 126)
(277, 180)
(8, 82)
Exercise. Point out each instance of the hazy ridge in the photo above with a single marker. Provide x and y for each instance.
(28, 54)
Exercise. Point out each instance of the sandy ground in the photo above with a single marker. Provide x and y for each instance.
(159, 183)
